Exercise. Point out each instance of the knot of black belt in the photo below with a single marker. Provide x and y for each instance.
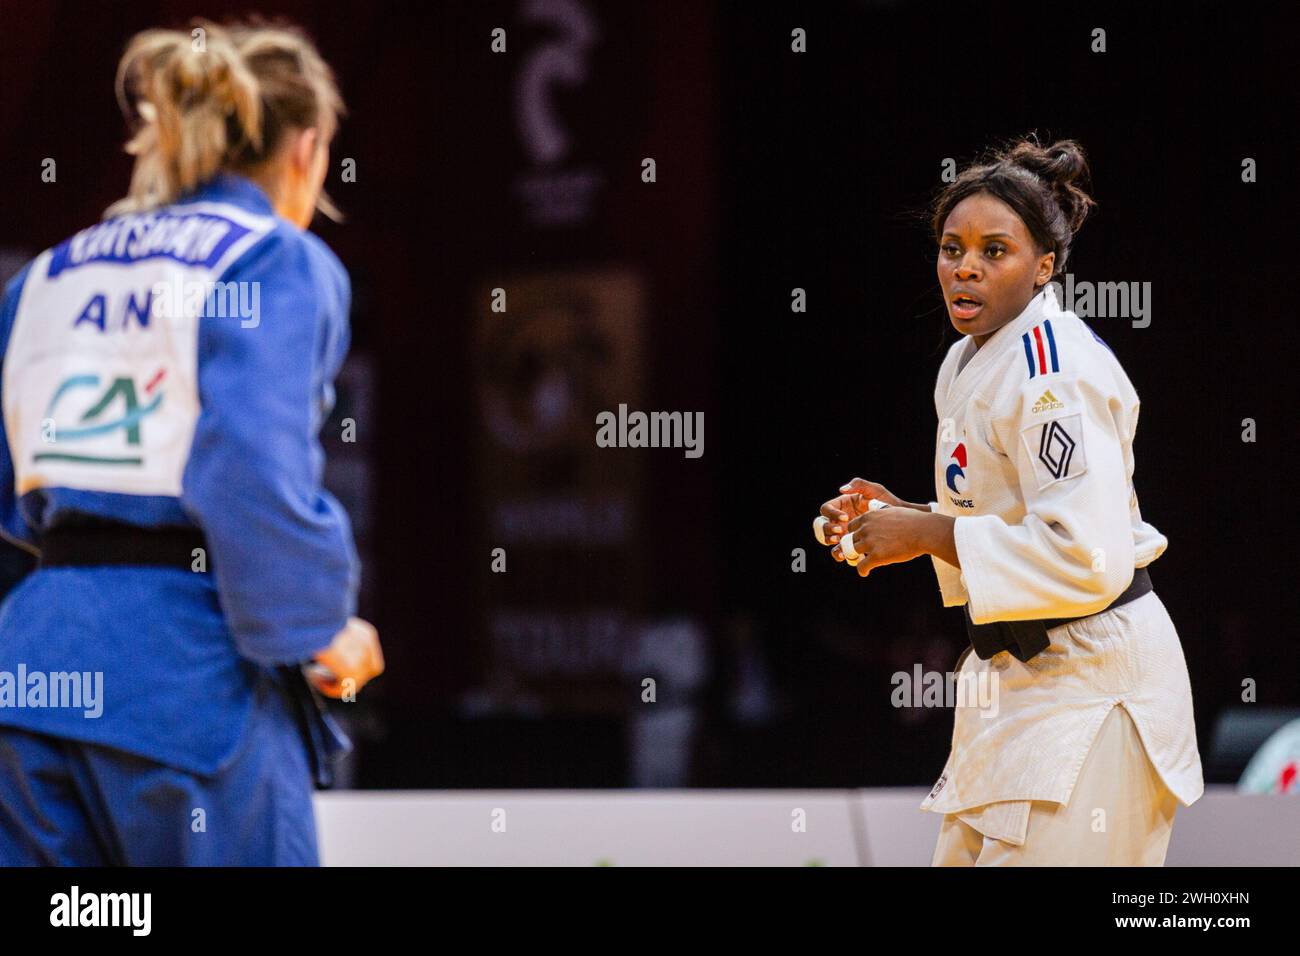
(1025, 639)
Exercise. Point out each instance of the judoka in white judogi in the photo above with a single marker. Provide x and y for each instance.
(1034, 458)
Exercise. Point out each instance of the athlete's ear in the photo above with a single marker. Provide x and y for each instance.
(303, 154)
(1046, 263)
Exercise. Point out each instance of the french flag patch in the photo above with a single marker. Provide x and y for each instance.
(1040, 349)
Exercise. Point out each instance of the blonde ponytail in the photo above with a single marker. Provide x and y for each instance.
(189, 96)
(218, 98)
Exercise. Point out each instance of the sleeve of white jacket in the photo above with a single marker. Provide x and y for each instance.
(1072, 553)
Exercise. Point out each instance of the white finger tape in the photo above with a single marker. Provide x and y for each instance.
(820, 523)
(850, 552)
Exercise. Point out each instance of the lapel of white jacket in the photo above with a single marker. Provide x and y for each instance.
(964, 383)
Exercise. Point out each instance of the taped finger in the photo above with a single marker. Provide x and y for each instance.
(850, 552)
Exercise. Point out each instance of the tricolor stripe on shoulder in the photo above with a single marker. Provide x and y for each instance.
(1040, 349)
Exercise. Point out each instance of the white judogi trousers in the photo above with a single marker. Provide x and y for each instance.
(1084, 755)
(1120, 814)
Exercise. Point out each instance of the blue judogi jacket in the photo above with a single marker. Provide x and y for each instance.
(174, 368)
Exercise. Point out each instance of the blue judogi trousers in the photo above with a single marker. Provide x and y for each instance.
(68, 803)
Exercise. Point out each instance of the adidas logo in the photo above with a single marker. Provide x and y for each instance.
(1047, 402)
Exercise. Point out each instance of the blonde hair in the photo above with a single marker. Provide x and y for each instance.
(218, 98)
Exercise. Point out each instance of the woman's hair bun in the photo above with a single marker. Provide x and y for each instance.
(1046, 186)
(1062, 166)
(218, 98)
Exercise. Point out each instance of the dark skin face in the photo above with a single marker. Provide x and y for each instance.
(987, 253)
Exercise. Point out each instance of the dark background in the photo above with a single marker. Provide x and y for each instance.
(775, 170)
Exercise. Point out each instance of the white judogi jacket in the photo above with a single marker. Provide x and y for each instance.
(1034, 458)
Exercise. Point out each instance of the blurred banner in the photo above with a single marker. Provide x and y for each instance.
(562, 348)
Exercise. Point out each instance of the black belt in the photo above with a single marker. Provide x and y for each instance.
(103, 542)
(117, 543)
(1024, 639)
(326, 741)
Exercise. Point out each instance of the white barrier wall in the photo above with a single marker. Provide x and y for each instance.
(1226, 828)
(724, 828)
(587, 828)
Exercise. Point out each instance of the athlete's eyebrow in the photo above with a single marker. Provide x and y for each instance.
(987, 235)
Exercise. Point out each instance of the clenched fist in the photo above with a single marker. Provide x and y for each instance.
(354, 654)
